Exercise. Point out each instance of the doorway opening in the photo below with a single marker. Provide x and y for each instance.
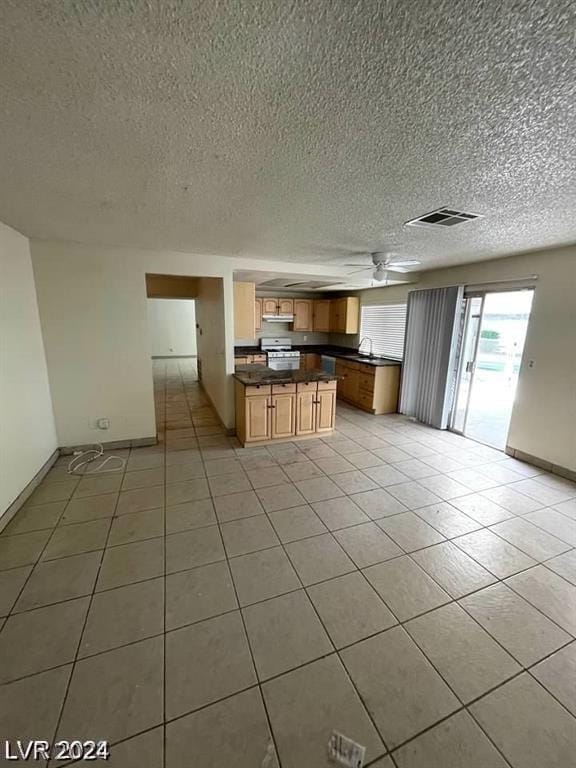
(494, 331)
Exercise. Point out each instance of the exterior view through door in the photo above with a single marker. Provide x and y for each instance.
(495, 325)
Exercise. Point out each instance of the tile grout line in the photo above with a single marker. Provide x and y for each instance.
(84, 623)
(245, 629)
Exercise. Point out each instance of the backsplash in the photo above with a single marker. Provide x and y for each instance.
(273, 330)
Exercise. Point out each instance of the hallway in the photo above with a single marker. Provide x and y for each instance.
(211, 605)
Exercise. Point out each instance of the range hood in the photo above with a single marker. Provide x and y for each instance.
(278, 318)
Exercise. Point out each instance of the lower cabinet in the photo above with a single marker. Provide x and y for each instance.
(372, 388)
(325, 410)
(306, 408)
(257, 417)
(284, 411)
(249, 359)
(283, 408)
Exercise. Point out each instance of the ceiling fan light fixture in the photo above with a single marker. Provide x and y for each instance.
(380, 273)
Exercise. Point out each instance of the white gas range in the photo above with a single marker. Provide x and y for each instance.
(280, 355)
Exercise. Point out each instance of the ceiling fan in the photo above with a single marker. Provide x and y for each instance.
(382, 263)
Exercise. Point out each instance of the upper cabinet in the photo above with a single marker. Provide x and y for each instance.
(321, 317)
(277, 306)
(303, 311)
(269, 306)
(285, 306)
(327, 315)
(244, 310)
(344, 317)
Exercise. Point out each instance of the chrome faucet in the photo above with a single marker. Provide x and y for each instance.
(366, 338)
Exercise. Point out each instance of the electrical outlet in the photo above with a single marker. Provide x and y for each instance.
(103, 423)
(343, 751)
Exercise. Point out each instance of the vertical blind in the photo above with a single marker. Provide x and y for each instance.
(429, 358)
(385, 324)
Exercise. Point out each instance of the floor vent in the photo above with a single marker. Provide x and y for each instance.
(443, 217)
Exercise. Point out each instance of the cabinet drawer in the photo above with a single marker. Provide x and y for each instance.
(257, 389)
(306, 386)
(283, 389)
(327, 385)
(365, 400)
(366, 382)
(259, 358)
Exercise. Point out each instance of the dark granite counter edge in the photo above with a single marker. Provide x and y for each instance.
(261, 375)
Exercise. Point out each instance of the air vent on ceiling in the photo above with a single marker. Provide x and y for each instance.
(443, 217)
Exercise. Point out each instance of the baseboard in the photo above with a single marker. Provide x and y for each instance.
(174, 357)
(24, 495)
(112, 445)
(548, 466)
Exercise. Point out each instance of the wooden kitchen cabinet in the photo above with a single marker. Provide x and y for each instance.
(303, 311)
(269, 306)
(285, 306)
(244, 310)
(249, 359)
(284, 411)
(283, 407)
(257, 419)
(306, 408)
(325, 409)
(310, 361)
(347, 380)
(277, 306)
(321, 316)
(372, 388)
(345, 315)
(258, 314)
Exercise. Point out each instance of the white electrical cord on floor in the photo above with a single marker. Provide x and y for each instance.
(83, 458)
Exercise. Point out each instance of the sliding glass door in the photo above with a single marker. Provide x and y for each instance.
(495, 325)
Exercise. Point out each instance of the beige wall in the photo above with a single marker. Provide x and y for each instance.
(93, 309)
(544, 416)
(27, 433)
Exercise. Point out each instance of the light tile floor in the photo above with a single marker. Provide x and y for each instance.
(211, 604)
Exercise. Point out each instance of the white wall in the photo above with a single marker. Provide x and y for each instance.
(544, 416)
(213, 339)
(27, 433)
(172, 324)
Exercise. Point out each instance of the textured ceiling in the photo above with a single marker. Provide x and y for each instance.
(290, 129)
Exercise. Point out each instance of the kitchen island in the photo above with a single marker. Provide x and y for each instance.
(283, 405)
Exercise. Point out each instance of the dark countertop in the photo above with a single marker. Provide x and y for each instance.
(261, 374)
(343, 353)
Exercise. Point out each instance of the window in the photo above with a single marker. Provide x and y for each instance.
(385, 324)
